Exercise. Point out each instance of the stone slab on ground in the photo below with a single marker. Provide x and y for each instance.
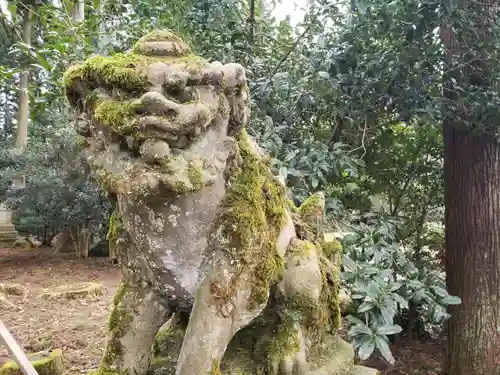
(45, 363)
(362, 370)
(338, 360)
(73, 291)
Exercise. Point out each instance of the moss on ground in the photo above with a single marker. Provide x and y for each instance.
(47, 365)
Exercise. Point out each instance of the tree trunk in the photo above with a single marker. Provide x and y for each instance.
(24, 101)
(78, 11)
(80, 239)
(23, 111)
(472, 200)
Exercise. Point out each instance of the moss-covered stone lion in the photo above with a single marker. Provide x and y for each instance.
(205, 235)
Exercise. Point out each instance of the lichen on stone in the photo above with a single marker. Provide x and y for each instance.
(195, 176)
(160, 35)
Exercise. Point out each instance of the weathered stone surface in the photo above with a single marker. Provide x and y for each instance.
(202, 227)
(8, 236)
(45, 363)
(22, 242)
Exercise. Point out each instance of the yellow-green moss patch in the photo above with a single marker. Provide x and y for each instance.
(312, 208)
(51, 364)
(121, 71)
(119, 116)
(195, 176)
(331, 248)
(118, 324)
(106, 372)
(253, 216)
(283, 343)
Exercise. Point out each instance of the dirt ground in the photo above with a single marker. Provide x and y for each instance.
(78, 326)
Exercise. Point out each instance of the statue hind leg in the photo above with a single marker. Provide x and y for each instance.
(138, 313)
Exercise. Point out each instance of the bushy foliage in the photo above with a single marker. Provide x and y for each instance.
(59, 193)
(383, 279)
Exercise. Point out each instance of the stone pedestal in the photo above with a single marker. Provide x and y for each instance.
(8, 233)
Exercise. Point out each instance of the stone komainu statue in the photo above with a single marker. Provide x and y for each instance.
(206, 238)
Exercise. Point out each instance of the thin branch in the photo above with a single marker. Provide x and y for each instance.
(284, 58)
(9, 30)
(362, 141)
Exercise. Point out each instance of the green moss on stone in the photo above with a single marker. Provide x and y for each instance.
(215, 367)
(81, 141)
(330, 294)
(195, 176)
(252, 218)
(284, 342)
(115, 223)
(293, 208)
(301, 248)
(331, 248)
(119, 116)
(121, 71)
(106, 372)
(312, 208)
(47, 365)
(159, 35)
(118, 324)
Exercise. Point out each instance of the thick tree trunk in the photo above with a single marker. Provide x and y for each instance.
(472, 197)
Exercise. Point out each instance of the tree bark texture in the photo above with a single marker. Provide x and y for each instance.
(472, 199)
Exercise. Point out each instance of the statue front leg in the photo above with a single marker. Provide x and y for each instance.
(212, 325)
(137, 315)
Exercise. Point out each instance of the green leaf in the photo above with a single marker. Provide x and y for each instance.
(366, 349)
(451, 300)
(388, 329)
(388, 314)
(314, 182)
(354, 320)
(366, 306)
(324, 74)
(384, 349)
(440, 291)
(358, 329)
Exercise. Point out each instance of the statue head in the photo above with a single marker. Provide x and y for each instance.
(158, 127)
(157, 121)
